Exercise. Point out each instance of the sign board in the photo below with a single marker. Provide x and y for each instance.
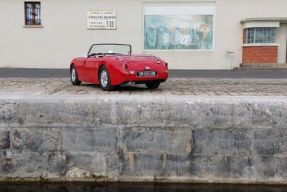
(102, 20)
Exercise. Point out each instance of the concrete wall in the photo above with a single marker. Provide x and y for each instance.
(182, 139)
(65, 36)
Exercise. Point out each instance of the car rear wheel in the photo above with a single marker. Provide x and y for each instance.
(105, 79)
(153, 85)
(74, 76)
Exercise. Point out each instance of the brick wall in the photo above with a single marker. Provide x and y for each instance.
(260, 54)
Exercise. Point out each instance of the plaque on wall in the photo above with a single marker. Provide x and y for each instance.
(102, 20)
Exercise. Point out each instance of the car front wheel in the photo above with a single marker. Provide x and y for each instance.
(74, 76)
(105, 79)
(153, 85)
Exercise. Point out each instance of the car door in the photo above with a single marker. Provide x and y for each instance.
(81, 69)
(91, 69)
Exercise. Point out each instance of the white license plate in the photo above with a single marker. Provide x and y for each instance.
(147, 73)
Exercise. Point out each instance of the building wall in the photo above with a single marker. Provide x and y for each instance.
(65, 35)
(282, 42)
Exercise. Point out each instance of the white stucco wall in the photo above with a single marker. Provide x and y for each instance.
(282, 42)
(65, 35)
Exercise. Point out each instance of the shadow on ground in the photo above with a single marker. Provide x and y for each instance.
(124, 88)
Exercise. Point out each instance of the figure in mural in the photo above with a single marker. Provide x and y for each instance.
(151, 38)
(172, 37)
(163, 38)
(177, 38)
(185, 40)
(204, 31)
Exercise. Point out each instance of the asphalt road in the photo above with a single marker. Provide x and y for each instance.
(234, 74)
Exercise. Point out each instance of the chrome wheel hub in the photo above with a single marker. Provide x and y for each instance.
(73, 74)
(104, 78)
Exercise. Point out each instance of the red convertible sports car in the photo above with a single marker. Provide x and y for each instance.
(110, 65)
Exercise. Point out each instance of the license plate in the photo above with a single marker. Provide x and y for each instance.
(147, 73)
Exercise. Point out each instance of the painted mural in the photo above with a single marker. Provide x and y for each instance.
(178, 32)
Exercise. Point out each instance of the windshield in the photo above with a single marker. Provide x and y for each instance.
(109, 49)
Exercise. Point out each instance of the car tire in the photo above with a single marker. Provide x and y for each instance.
(105, 79)
(74, 76)
(153, 85)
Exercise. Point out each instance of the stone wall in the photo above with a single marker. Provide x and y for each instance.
(162, 139)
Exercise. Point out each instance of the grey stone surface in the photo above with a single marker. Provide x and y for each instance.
(89, 139)
(158, 140)
(4, 139)
(39, 140)
(136, 138)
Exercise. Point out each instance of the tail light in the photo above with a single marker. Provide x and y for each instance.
(126, 67)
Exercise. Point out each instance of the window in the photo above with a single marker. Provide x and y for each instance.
(260, 35)
(32, 13)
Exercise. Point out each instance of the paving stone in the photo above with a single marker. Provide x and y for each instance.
(189, 86)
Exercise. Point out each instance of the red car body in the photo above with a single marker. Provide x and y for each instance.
(122, 68)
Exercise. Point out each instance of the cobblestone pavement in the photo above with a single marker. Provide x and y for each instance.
(191, 86)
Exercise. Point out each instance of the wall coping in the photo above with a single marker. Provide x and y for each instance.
(261, 45)
(265, 19)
